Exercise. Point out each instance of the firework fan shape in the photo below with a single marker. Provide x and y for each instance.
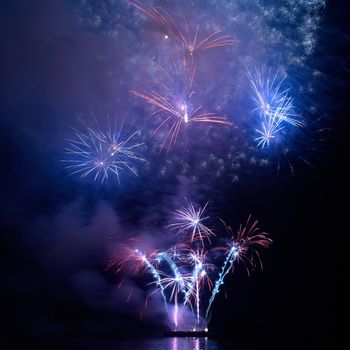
(188, 275)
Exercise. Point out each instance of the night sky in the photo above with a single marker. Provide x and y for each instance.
(68, 64)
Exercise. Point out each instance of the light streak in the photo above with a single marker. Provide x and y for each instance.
(226, 267)
(154, 272)
(241, 247)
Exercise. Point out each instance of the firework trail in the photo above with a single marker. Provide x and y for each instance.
(154, 272)
(140, 263)
(226, 267)
(199, 275)
(247, 239)
(102, 153)
(174, 268)
(177, 284)
(183, 282)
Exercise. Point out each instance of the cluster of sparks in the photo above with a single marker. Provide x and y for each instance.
(185, 275)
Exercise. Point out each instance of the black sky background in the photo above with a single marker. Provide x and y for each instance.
(56, 235)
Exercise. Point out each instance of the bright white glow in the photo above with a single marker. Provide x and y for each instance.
(266, 108)
(186, 117)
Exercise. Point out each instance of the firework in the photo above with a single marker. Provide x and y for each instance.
(269, 96)
(275, 107)
(198, 259)
(171, 261)
(190, 276)
(190, 220)
(172, 100)
(100, 153)
(241, 247)
(190, 41)
(177, 284)
(172, 96)
(269, 129)
(140, 262)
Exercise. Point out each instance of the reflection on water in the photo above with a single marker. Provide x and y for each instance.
(192, 343)
(169, 344)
